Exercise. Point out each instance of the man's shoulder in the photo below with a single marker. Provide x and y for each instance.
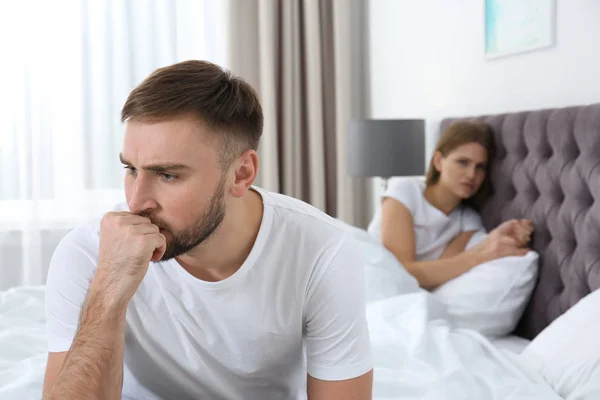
(87, 234)
(297, 215)
(75, 257)
(84, 238)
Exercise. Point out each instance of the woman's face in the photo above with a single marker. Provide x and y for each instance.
(463, 170)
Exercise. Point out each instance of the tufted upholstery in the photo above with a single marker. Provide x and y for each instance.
(548, 169)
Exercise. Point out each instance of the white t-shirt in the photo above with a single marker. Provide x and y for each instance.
(433, 229)
(295, 306)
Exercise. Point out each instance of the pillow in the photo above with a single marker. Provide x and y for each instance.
(491, 297)
(385, 277)
(567, 354)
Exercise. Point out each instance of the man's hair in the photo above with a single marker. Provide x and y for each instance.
(227, 104)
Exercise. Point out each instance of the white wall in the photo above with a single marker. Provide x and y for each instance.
(427, 61)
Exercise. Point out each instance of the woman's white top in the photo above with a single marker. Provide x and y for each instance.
(434, 230)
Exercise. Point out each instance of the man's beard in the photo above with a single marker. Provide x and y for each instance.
(183, 242)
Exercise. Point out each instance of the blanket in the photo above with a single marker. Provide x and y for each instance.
(23, 347)
(417, 353)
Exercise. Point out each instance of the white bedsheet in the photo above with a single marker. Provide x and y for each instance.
(417, 354)
(514, 344)
(22, 343)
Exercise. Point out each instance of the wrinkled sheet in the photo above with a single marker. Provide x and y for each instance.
(23, 347)
(419, 356)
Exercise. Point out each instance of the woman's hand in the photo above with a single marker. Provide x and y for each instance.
(496, 245)
(518, 229)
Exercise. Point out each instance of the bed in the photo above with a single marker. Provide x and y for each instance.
(547, 169)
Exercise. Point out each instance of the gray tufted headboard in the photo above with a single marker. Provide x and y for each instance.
(547, 169)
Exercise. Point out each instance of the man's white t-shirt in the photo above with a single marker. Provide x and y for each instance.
(295, 306)
(433, 229)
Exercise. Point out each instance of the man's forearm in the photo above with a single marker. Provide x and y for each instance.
(94, 367)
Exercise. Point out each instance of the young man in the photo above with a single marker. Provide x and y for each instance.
(203, 286)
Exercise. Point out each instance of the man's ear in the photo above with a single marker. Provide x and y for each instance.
(245, 170)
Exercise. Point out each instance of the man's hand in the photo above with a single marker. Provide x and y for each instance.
(93, 367)
(128, 242)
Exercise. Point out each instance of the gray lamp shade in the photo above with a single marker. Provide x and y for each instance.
(386, 148)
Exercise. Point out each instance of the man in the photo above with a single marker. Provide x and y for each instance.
(204, 286)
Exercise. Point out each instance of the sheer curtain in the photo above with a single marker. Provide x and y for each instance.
(67, 67)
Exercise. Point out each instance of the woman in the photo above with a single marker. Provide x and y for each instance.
(427, 225)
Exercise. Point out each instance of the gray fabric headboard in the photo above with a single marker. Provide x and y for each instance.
(547, 169)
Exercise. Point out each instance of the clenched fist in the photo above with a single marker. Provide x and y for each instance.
(128, 242)
(497, 245)
(518, 229)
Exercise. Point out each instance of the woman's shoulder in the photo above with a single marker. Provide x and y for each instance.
(406, 184)
(407, 190)
(470, 219)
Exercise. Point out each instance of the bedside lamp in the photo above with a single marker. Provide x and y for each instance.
(386, 148)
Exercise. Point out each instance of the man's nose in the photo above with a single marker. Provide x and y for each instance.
(141, 196)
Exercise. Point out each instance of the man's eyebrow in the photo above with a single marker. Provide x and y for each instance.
(156, 167)
(123, 160)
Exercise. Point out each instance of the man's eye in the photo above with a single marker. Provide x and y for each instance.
(168, 177)
(130, 170)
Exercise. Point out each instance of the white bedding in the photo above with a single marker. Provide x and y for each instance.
(417, 354)
(22, 343)
(514, 344)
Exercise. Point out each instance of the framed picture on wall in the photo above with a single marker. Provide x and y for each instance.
(518, 26)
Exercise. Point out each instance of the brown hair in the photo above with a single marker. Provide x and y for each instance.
(457, 134)
(227, 104)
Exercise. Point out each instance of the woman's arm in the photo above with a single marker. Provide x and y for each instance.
(397, 233)
(457, 245)
(398, 236)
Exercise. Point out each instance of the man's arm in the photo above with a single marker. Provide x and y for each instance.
(351, 389)
(338, 347)
(54, 364)
(93, 368)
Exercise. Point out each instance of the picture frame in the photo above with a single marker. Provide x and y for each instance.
(518, 26)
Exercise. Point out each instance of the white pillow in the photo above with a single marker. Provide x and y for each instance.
(385, 277)
(491, 297)
(567, 353)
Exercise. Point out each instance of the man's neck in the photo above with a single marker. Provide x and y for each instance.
(225, 251)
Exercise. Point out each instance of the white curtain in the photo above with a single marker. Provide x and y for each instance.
(66, 69)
